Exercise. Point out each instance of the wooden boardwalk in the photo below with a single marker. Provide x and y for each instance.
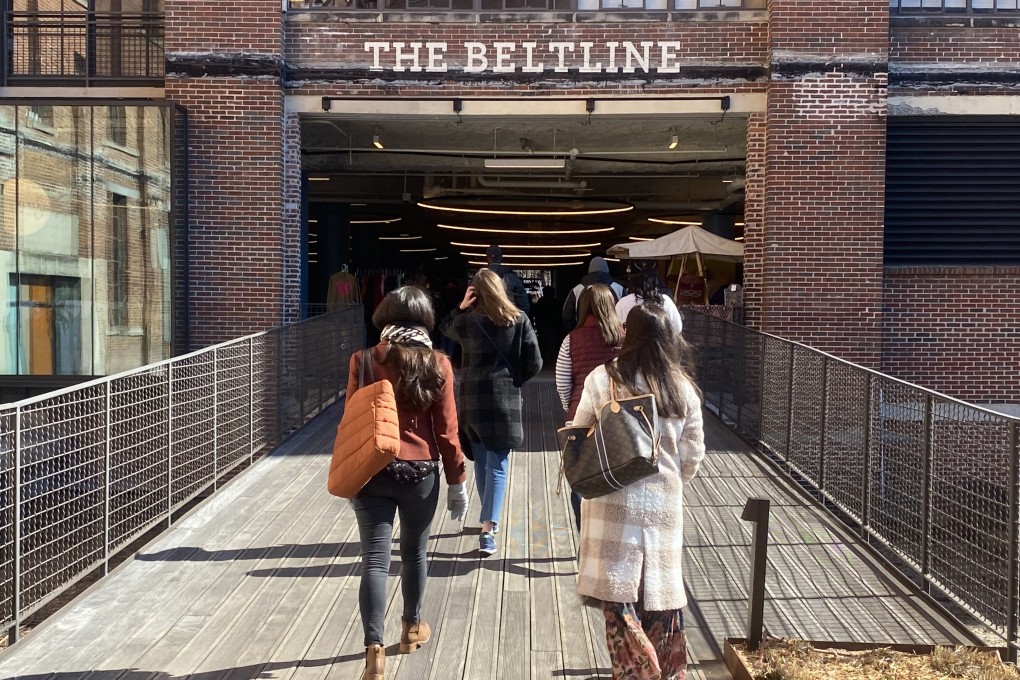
(262, 581)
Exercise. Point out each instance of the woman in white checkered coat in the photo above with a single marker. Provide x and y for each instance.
(631, 539)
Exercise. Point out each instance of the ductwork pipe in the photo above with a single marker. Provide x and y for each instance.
(530, 184)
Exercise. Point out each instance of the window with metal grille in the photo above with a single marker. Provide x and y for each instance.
(953, 191)
(954, 6)
(41, 116)
(118, 283)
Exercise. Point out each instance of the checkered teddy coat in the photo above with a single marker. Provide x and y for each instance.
(488, 403)
(632, 538)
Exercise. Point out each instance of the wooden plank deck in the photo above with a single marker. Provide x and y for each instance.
(261, 581)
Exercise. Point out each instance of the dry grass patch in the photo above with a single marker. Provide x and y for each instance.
(779, 659)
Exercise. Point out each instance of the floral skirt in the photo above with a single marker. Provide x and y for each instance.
(645, 645)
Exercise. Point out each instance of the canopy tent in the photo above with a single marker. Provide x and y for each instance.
(686, 241)
(682, 243)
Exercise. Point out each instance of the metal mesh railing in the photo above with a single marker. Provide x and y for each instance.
(934, 479)
(525, 5)
(86, 471)
(84, 47)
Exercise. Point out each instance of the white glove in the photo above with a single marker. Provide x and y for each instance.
(456, 501)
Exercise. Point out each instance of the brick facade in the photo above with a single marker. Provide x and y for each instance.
(814, 173)
(223, 67)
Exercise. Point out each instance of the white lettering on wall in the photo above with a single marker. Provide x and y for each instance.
(476, 59)
(437, 51)
(511, 57)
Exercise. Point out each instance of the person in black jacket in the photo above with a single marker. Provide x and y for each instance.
(598, 272)
(513, 284)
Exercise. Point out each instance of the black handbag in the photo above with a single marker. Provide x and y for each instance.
(621, 448)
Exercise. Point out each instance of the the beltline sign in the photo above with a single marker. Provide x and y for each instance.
(647, 56)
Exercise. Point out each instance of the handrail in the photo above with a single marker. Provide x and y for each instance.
(86, 470)
(933, 479)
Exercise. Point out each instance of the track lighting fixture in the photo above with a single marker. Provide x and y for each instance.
(673, 139)
(376, 141)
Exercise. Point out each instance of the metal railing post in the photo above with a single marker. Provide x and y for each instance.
(216, 419)
(15, 631)
(169, 444)
(926, 491)
(106, 478)
(866, 483)
(824, 413)
(251, 400)
(1013, 606)
(789, 406)
(757, 510)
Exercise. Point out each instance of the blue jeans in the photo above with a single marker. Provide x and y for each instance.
(490, 477)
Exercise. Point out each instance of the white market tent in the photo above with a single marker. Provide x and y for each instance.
(682, 243)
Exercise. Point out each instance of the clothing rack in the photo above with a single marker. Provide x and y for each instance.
(375, 271)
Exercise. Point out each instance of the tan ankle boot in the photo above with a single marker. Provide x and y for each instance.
(413, 636)
(375, 663)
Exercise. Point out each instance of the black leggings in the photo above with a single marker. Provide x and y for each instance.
(375, 506)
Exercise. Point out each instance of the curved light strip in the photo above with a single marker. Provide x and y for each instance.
(418, 250)
(557, 256)
(616, 207)
(640, 238)
(536, 265)
(682, 223)
(398, 238)
(532, 232)
(376, 220)
(574, 246)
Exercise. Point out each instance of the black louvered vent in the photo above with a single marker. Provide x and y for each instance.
(953, 191)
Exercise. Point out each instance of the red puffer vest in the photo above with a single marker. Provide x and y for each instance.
(588, 351)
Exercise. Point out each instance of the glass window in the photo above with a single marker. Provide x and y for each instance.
(116, 128)
(118, 259)
(85, 276)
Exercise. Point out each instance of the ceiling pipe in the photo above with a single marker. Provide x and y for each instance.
(531, 184)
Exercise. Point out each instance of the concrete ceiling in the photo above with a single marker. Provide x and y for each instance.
(604, 157)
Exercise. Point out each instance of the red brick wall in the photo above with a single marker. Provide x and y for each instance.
(223, 26)
(224, 64)
(954, 330)
(821, 276)
(754, 219)
(316, 42)
(954, 44)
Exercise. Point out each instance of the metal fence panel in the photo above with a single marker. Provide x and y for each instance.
(63, 449)
(846, 437)
(192, 417)
(777, 374)
(7, 434)
(807, 403)
(138, 446)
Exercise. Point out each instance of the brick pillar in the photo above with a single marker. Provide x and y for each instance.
(821, 272)
(224, 65)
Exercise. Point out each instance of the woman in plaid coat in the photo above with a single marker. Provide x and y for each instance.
(631, 539)
(499, 354)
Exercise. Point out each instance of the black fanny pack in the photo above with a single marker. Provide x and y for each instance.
(411, 471)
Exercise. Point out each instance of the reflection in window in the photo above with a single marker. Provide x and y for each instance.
(116, 130)
(50, 324)
(118, 260)
(41, 116)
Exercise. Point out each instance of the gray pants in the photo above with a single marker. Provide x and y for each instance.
(375, 506)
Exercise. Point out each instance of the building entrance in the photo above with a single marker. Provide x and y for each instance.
(420, 198)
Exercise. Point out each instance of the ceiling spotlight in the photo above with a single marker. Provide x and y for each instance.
(525, 163)
(376, 142)
(673, 139)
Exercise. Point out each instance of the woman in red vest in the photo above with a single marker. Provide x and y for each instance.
(596, 340)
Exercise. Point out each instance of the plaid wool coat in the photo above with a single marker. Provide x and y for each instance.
(488, 402)
(632, 538)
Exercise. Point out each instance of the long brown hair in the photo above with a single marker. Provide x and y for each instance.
(420, 378)
(653, 350)
(598, 301)
(492, 300)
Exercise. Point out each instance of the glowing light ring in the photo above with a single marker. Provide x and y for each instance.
(533, 255)
(530, 232)
(533, 265)
(373, 219)
(554, 208)
(679, 223)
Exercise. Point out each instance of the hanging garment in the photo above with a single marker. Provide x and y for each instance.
(343, 290)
